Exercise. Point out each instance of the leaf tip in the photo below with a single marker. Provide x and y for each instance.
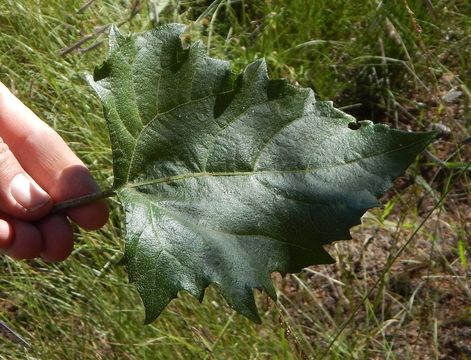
(114, 37)
(256, 71)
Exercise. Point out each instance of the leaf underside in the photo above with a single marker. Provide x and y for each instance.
(227, 178)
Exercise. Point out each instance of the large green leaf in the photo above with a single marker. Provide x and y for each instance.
(225, 179)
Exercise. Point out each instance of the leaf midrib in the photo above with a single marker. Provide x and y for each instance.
(181, 177)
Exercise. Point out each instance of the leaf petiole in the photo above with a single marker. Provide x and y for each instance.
(82, 200)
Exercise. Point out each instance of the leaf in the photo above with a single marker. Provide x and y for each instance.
(225, 179)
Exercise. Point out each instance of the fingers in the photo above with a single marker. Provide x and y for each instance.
(48, 160)
(38, 169)
(76, 181)
(20, 195)
(57, 238)
(50, 238)
(6, 234)
(26, 240)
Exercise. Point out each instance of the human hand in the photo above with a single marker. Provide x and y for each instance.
(38, 169)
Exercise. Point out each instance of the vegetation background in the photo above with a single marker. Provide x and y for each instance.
(399, 290)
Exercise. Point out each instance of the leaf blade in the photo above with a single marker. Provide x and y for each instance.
(225, 179)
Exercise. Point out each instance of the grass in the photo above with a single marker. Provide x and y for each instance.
(376, 60)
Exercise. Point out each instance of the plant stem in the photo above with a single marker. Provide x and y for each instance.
(82, 200)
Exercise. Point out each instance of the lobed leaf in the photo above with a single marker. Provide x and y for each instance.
(227, 178)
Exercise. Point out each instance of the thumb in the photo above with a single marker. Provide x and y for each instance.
(20, 196)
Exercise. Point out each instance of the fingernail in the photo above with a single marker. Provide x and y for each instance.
(6, 234)
(28, 194)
